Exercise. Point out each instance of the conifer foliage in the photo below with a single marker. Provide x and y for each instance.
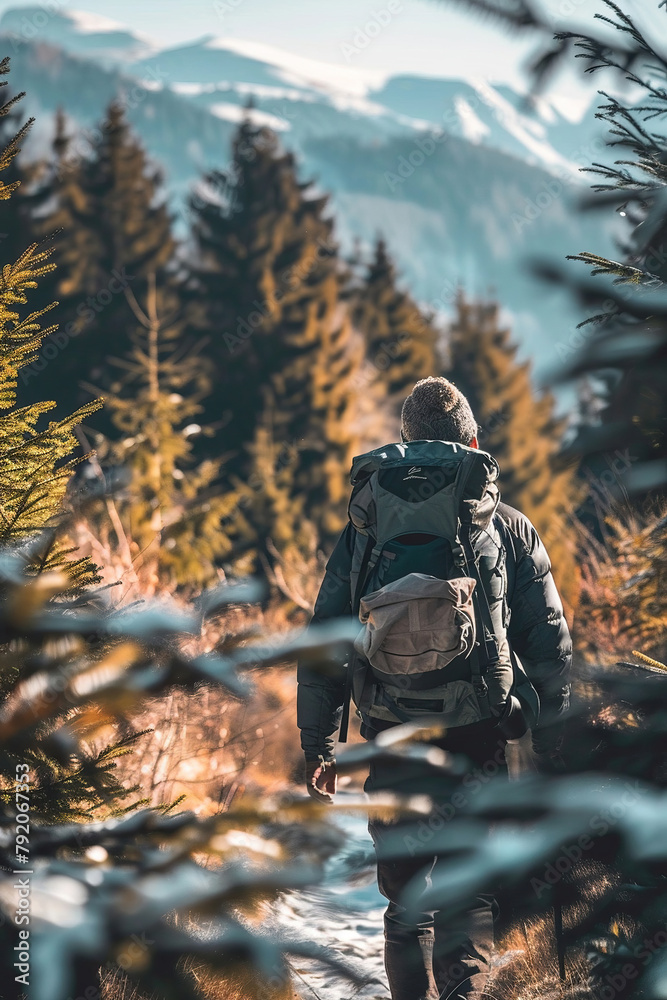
(24, 181)
(635, 415)
(401, 342)
(71, 665)
(624, 585)
(93, 873)
(171, 508)
(627, 326)
(114, 230)
(35, 461)
(519, 428)
(272, 530)
(272, 288)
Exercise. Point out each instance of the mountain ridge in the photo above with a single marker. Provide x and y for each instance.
(458, 209)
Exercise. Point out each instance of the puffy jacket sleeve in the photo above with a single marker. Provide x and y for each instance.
(537, 629)
(320, 695)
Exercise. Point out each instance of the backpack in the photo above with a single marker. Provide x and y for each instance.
(429, 585)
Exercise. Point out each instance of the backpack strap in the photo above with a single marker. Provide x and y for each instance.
(388, 702)
(522, 687)
(480, 662)
(480, 598)
(368, 561)
(364, 571)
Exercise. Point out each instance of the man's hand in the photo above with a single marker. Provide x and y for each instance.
(548, 748)
(549, 762)
(321, 780)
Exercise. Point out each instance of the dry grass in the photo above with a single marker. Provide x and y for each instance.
(530, 970)
(622, 602)
(208, 747)
(240, 981)
(213, 749)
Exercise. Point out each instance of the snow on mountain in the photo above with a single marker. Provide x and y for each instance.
(312, 98)
(471, 209)
(472, 126)
(77, 31)
(235, 113)
(230, 70)
(494, 115)
(302, 72)
(89, 23)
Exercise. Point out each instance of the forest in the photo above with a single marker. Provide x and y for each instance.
(179, 415)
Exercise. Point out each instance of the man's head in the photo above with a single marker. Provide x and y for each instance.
(436, 410)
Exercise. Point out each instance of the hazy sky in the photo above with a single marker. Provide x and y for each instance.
(418, 36)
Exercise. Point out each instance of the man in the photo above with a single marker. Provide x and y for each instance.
(420, 953)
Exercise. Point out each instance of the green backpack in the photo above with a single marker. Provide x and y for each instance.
(430, 588)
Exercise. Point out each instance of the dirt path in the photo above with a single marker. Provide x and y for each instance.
(344, 913)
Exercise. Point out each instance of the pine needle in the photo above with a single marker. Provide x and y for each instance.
(649, 660)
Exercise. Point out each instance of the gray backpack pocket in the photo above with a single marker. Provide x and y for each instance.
(417, 630)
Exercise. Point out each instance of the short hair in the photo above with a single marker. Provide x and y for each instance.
(436, 410)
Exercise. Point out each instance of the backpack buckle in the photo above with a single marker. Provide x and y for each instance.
(480, 687)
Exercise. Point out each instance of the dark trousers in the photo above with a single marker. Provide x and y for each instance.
(425, 955)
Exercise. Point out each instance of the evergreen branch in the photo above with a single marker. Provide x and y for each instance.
(625, 273)
(649, 660)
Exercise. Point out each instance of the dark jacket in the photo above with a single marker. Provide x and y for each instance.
(537, 631)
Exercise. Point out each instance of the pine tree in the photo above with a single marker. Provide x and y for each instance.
(315, 405)
(35, 462)
(26, 179)
(623, 596)
(271, 289)
(64, 214)
(262, 245)
(401, 342)
(270, 525)
(69, 666)
(519, 428)
(36, 466)
(114, 231)
(628, 331)
(171, 509)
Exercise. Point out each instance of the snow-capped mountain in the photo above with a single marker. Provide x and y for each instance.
(77, 31)
(460, 178)
(493, 116)
(309, 97)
